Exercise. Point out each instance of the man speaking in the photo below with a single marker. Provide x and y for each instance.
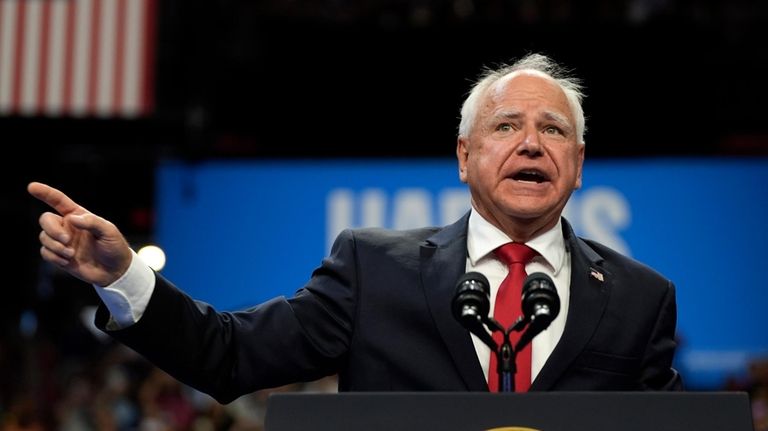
(378, 311)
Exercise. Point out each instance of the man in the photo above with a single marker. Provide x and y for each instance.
(378, 309)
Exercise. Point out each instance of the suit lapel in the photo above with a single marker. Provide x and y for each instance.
(590, 290)
(443, 261)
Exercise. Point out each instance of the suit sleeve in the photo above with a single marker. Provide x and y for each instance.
(657, 371)
(228, 354)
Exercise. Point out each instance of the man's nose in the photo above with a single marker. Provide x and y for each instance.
(530, 144)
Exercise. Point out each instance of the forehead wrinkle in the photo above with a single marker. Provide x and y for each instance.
(510, 113)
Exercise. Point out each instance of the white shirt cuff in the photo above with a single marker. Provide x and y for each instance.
(127, 298)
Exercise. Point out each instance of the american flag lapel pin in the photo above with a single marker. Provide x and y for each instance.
(596, 274)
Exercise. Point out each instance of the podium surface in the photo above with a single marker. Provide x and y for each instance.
(540, 411)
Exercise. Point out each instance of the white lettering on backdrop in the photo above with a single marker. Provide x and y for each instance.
(600, 213)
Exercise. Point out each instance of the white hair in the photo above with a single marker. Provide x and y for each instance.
(538, 64)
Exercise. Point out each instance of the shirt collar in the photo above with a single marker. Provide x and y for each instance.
(483, 238)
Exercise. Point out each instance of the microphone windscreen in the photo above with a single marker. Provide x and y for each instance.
(539, 291)
(472, 293)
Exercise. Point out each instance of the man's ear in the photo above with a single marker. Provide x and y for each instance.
(580, 162)
(462, 154)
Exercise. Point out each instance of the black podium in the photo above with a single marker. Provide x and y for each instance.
(544, 411)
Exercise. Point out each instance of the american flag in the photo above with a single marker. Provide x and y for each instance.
(78, 58)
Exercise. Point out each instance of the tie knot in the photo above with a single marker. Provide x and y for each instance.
(515, 252)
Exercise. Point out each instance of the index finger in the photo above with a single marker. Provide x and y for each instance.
(55, 198)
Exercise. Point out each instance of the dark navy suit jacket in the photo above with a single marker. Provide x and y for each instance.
(377, 312)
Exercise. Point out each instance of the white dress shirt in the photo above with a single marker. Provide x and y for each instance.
(553, 260)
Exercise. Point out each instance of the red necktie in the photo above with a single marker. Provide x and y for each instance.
(507, 309)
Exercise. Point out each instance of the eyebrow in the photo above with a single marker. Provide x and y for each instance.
(555, 117)
(561, 120)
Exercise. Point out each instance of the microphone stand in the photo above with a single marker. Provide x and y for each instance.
(505, 354)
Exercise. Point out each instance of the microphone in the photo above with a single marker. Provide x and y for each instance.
(471, 304)
(540, 300)
(540, 304)
(472, 300)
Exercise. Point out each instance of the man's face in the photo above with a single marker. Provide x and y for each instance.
(522, 159)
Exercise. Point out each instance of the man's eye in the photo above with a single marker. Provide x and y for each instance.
(504, 127)
(552, 130)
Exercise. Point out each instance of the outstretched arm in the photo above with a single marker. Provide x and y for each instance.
(80, 242)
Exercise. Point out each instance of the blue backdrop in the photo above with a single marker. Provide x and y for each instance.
(238, 233)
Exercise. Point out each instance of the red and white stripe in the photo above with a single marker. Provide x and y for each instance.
(77, 57)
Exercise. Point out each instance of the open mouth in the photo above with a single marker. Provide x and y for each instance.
(531, 176)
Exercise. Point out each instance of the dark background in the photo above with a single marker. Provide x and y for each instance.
(380, 78)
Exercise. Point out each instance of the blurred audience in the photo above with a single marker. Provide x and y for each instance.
(47, 387)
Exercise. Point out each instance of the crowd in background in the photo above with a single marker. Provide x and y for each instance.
(59, 372)
(114, 389)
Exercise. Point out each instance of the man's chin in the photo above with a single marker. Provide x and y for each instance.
(529, 208)
(533, 215)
